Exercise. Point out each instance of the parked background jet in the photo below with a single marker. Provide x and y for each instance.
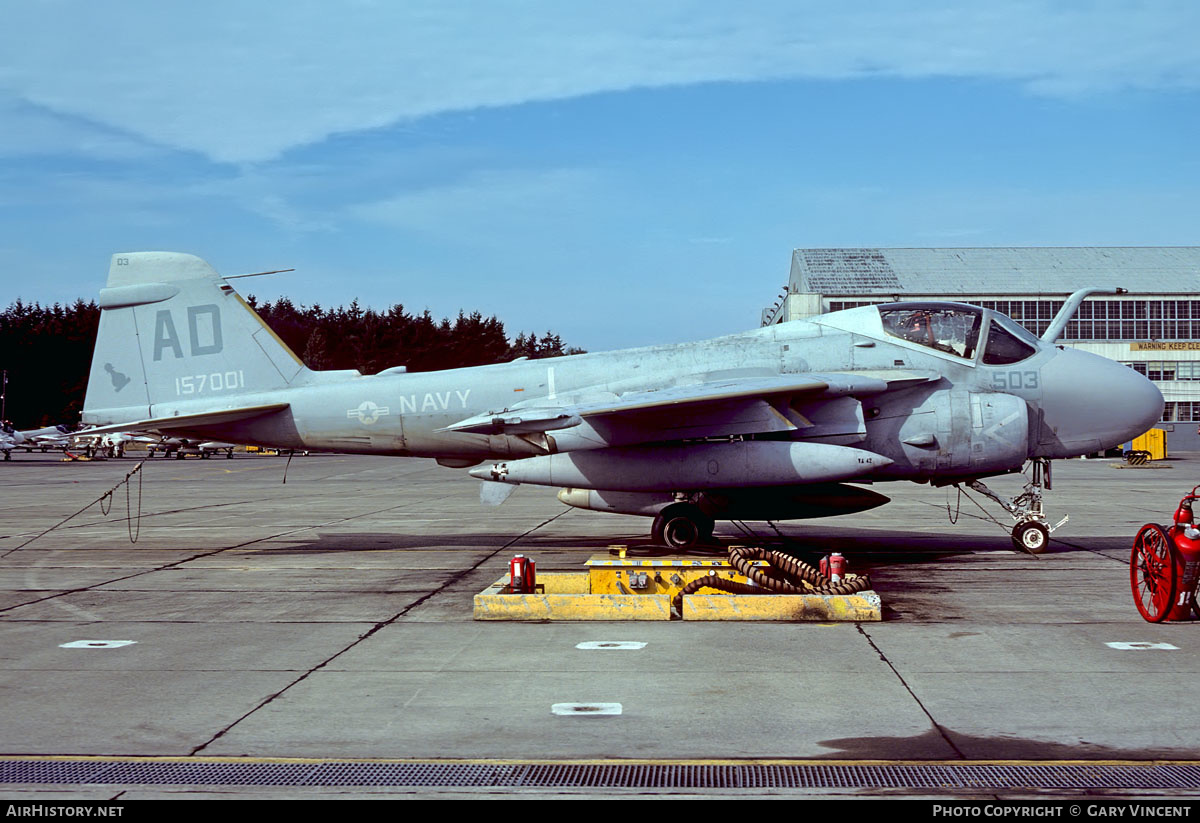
(44, 439)
(10, 439)
(181, 447)
(767, 424)
(109, 443)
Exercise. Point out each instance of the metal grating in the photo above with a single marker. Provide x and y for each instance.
(603, 775)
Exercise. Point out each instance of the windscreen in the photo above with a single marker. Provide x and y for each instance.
(950, 329)
(1003, 346)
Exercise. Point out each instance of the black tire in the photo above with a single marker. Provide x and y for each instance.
(681, 526)
(1031, 537)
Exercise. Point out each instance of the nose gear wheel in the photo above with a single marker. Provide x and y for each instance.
(1031, 536)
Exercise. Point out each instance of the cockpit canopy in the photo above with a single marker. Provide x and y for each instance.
(950, 329)
(955, 329)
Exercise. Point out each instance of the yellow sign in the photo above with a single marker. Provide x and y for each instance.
(1190, 345)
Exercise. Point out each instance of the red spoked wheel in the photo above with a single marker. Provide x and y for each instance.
(1152, 573)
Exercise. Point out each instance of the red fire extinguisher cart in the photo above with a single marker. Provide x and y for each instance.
(1164, 566)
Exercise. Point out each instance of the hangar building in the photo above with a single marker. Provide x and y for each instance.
(1154, 329)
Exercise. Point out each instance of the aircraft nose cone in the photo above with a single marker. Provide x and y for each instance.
(1092, 403)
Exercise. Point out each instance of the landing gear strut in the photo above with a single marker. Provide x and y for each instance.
(1031, 532)
(681, 526)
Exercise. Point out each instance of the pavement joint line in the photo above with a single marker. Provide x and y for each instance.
(109, 521)
(106, 520)
(99, 501)
(376, 629)
(200, 556)
(1124, 561)
(941, 731)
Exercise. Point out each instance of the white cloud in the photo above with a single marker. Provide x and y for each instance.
(487, 206)
(28, 131)
(245, 82)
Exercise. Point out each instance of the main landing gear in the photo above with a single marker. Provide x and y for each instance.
(1031, 532)
(681, 526)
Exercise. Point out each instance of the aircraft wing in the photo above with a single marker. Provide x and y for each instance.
(735, 405)
(188, 422)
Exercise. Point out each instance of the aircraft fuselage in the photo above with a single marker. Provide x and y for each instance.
(966, 418)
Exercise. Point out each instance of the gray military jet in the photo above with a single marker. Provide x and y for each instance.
(768, 424)
(181, 447)
(49, 437)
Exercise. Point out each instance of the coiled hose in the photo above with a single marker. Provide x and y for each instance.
(784, 575)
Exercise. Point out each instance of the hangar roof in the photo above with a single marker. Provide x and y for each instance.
(995, 271)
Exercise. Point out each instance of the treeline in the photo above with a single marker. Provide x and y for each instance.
(352, 337)
(47, 350)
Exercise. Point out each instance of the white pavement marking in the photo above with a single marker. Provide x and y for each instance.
(585, 709)
(610, 644)
(96, 644)
(1128, 646)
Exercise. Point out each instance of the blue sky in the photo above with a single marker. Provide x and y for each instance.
(623, 173)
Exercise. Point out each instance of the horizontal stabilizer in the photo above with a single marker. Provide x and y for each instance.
(187, 422)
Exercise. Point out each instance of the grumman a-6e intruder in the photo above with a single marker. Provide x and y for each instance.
(769, 424)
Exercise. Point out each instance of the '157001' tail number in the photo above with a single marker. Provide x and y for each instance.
(217, 381)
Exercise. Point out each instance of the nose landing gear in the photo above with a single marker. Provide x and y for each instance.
(1031, 532)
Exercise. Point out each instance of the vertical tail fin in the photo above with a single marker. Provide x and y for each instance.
(172, 331)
